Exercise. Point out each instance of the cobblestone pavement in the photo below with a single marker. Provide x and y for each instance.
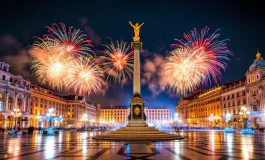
(80, 145)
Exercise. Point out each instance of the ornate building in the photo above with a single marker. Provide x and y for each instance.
(203, 108)
(14, 94)
(233, 97)
(34, 101)
(158, 115)
(229, 98)
(71, 108)
(113, 115)
(255, 78)
(119, 115)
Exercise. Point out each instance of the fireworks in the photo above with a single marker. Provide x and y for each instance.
(88, 76)
(60, 59)
(195, 61)
(73, 41)
(118, 61)
(50, 64)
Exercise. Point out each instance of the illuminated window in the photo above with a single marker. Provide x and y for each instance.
(1, 95)
(253, 79)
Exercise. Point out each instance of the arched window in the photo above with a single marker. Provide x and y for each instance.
(253, 79)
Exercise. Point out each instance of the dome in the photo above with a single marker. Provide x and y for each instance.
(258, 62)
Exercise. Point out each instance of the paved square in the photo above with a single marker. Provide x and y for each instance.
(80, 145)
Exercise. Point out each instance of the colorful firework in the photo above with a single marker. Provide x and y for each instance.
(118, 61)
(184, 71)
(72, 40)
(88, 76)
(214, 52)
(195, 61)
(50, 64)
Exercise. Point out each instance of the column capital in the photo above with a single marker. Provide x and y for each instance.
(136, 45)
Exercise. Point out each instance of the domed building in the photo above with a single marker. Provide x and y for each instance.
(255, 78)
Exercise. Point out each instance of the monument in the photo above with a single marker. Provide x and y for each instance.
(137, 128)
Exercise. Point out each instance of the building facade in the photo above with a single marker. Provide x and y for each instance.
(203, 108)
(229, 99)
(233, 97)
(255, 78)
(71, 108)
(113, 115)
(158, 115)
(14, 93)
(34, 102)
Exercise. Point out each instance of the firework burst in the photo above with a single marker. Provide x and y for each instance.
(72, 40)
(184, 71)
(196, 60)
(118, 61)
(88, 76)
(50, 64)
(214, 52)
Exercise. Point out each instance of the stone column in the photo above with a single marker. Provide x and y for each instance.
(4, 121)
(136, 72)
(15, 102)
(6, 102)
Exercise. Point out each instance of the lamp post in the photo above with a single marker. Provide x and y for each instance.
(16, 114)
(176, 115)
(244, 115)
(228, 119)
(50, 116)
(84, 118)
(211, 119)
(68, 118)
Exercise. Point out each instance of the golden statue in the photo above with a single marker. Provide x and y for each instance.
(258, 56)
(136, 28)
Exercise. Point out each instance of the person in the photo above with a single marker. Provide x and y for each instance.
(0, 129)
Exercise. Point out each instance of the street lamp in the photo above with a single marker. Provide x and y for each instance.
(244, 114)
(84, 118)
(176, 115)
(211, 119)
(50, 115)
(228, 119)
(16, 114)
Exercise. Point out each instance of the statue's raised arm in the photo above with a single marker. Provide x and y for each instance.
(141, 25)
(131, 24)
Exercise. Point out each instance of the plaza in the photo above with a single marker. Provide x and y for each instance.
(80, 145)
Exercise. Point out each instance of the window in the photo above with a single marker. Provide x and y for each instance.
(234, 111)
(243, 93)
(253, 79)
(233, 103)
(228, 104)
(3, 77)
(233, 96)
(238, 103)
(1, 107)
(224, 105)
(237, 94)
(228, 97)
(244, 101)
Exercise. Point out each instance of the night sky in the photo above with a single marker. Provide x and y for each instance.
(242, 23)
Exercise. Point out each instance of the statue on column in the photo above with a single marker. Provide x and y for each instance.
(136, 28)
